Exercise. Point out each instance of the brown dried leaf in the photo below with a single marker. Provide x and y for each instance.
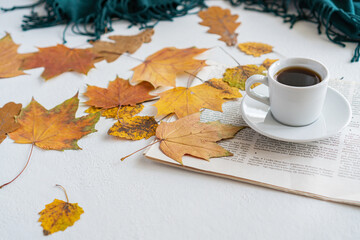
(110, 51)
(190, 136)
(134, 128)
(7, 119)
(221, 22)
(254, 48)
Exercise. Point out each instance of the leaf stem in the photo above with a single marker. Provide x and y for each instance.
(164, 117)
(123, 158)
(128, 55)
(151, 100)
(32, 147)
(194, 76)
(58, 185)
(229, 55)
(117, 113)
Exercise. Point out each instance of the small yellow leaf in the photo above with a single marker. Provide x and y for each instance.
(268, 62)
(237, 76)
(255, 49)
(59, 215)
(135, 128)
(115, 112)
(226, 91)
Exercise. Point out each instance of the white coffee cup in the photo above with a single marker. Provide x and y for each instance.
(294, 106)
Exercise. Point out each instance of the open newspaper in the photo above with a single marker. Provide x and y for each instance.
(328, 169)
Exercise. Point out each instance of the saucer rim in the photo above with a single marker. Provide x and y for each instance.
(253, 126)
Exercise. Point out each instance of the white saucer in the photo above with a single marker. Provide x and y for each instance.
(335, 115)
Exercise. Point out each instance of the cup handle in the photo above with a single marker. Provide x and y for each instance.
(251, 93)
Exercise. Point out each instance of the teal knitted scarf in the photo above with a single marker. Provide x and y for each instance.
(341, 18)
(94, 17)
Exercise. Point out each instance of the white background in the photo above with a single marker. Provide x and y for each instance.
(140, 199)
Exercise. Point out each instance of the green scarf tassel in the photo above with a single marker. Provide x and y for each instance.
(99, 14)
(341, 18)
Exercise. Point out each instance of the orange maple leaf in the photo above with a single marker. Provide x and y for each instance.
(10, 60)
(118, 93)
(161, 68)
(185, 101)
(59, 59)
(190, 136)
(221, 22)
(55, 129)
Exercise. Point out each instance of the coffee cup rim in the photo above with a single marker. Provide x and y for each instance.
(301, 61)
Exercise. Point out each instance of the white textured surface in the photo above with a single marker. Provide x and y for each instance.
(140, 199)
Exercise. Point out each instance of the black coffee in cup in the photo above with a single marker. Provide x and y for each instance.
(297, 77)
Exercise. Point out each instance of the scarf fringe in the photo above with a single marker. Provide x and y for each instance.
(99, 22)
(320, 17)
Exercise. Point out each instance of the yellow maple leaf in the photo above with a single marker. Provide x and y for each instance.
(161, 68)
(59, 215)
(185, 101)
(254, 48)
(237, 76)
(134, 128)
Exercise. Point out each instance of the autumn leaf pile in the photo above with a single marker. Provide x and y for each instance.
(124, 99)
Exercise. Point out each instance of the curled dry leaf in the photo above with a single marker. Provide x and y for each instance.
(237, 76)
(134, 128)
(268, 62)
(54, 129)
(110, 51)
(10, 60)
(59, 215)
(190, 136)
(117, 113)
(221, 22)
(254, 48)
(119, 93)
(161, 68)
(186, 101)
(59, 59)
(7, 119)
